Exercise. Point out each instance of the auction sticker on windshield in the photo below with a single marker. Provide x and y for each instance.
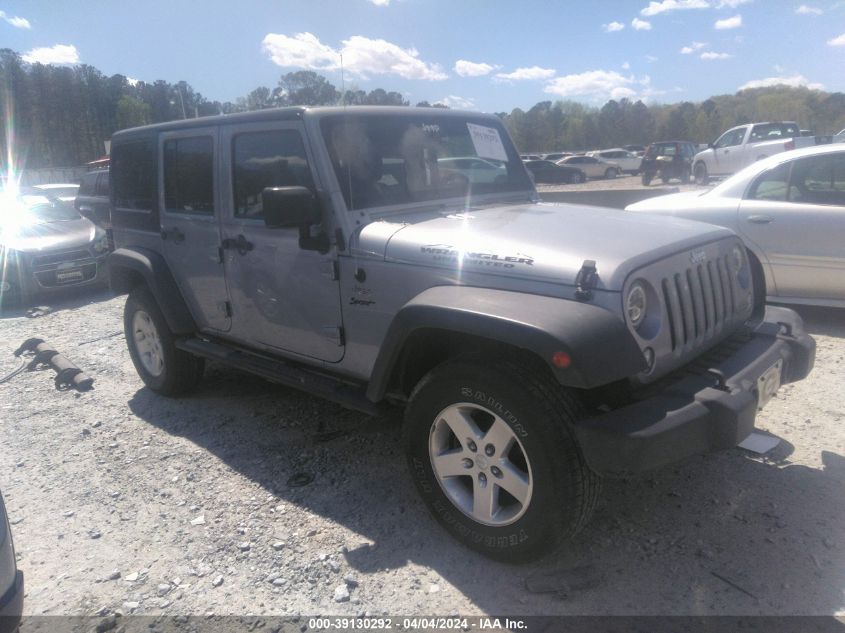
(487, 142)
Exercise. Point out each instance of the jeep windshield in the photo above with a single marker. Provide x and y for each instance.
(395, 159)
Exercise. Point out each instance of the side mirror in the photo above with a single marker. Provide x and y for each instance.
(289, 207)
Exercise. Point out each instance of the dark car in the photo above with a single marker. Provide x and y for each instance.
(667, 160)
(545, 171)
(11, 579)
(92, 199)
(45, 245)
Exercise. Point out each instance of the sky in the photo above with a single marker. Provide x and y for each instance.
(489, 55)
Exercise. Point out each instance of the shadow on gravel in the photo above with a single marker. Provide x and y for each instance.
(824, 321)
(69, 299)
(730, 533)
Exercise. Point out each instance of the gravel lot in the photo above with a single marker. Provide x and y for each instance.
(123, 501)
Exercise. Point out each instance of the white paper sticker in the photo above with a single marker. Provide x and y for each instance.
(487, 142)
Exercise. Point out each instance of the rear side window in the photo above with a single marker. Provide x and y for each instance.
(819, 180)
(132, 165)
(266, 159)
(88, 186)
(189, 175)
(103, 184)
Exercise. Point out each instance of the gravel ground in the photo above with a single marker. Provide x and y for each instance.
(123, 501)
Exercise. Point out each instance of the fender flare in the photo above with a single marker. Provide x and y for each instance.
(126, 264)
(599, 344)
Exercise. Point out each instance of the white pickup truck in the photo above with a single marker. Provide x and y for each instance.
(745, 144)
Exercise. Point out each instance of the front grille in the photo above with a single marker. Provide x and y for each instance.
(699, 302)
(50, 278)
(58, 258)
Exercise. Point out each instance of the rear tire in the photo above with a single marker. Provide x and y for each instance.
(646, 179)
(700, 173)
(491, 452)
(610, 173)
(163, 368)
(685, 176)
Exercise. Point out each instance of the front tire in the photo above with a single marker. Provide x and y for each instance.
(491, 452)
(700, 174)
(163, 368)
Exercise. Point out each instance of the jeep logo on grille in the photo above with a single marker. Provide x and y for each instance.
(697, 256)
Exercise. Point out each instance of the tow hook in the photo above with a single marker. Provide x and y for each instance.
(68, 375)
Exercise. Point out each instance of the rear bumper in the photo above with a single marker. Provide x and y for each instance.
(703, 411)
(11, 606)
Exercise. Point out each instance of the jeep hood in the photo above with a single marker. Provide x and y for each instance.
(542, 242)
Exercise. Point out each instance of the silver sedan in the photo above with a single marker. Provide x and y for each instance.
(593, 167)
(789, 210)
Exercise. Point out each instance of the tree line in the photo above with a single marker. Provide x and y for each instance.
(59, 116)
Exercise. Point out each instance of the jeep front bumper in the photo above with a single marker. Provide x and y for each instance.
(702, 411)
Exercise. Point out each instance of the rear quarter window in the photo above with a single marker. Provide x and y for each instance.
(132, 169)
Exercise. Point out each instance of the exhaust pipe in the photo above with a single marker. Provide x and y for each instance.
(68, 375)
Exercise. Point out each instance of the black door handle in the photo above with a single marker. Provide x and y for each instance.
(240, 244)
(174, 234)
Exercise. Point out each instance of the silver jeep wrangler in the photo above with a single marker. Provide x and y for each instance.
(400, 256)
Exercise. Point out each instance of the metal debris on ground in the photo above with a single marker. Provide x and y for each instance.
(37, 311)
(68, 375)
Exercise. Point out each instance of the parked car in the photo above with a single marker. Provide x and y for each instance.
(545, 171)
(628, 162)
(46, 246)
(745, 144)
(527, 342)
(66, 192)
(639, 150)
(530, 157)
(667, 160)
(556, 156)
(11, 578)
(593, 167)
(789, 210)
(473, 169)
(92, 200)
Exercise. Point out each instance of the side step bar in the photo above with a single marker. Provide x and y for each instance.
(285, 374)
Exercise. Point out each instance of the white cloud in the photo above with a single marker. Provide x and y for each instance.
(612, 27)
(713, 55)
(16, 21)
(472, 69)
(58, 54)
(732, 4)
(362, 56)
(808, 10)
(655, 8)
(625, 65)
(695, 46)
(651, 59)
(522, 74)
(461, 103)
(837, 41)
(640, 25)
(132, 81)
(380, 3)
(596, 84)
(728, 23)
(795, 81)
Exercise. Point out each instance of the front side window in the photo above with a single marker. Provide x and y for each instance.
(402, 159)
(266, 159)
(189, 175)
(132, 164)
(771, 185)
(730, 138)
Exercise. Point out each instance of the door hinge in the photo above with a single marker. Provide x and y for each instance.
(225, 307)
(333, 333)
(220, 254)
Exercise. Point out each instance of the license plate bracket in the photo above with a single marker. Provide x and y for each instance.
(768, 384)
(69, 276)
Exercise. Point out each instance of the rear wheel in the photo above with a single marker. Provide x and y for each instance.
(700, 173)
(685, 176)
(163, 368)
(646, 179)
(491, 452)
(610, 173)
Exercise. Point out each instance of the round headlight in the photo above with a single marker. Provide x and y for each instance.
(635, 304)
